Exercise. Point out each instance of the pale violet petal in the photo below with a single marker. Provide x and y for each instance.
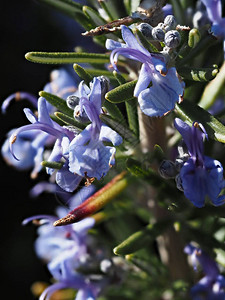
(67, 180)
(30, 116)
(131, 40)
(107, 134)
(144, 79)
(111, 44)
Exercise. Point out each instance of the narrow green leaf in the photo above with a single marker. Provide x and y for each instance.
(59, 103)
(191, 112)
(137, 169)
(198, 74)
(69, 120)
(213, 89)
(178, 11)
(119, 77)
(67, 57)
(104, 5)
(67, 6)
(122, 93)
(71, 9)
(114, 7)
(97, 201)
(82, 73)
(183, 49)
(99, 72)
(132, 115)
(131, 107)
(119, 127)
(95, 20)
(52, 164)
(202, 46)
(94, 16)
(114, 111)
(141, 239)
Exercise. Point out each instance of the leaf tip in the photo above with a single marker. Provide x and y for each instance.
(115, 251)
(69, 219)
(41, 93)
(28, 55)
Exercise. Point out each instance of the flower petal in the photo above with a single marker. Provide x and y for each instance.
(107, 134)
(67, 180)
(131, 40)
(194, 183)
(161, 97)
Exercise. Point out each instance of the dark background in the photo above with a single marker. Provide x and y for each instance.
(25, 26)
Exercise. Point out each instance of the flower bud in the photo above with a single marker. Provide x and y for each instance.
(158, 33)
(194, 37)
(172, 38)
(170, 22)
(167, 169)
(105, 84)
(146, 30)
(79, 115)
(72, 101)
(179, 183)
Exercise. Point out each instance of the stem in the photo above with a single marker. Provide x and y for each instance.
(170, 246)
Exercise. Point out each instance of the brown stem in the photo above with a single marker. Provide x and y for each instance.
(152, 131)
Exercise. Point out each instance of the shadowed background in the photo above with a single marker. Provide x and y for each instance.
(26, 26)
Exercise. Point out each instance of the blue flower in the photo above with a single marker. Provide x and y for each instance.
(212, 285)
(88, 156)
(214, 10)
(166, 88)
(45, 131)
(200, 175)
(65, 249)
(29, 146)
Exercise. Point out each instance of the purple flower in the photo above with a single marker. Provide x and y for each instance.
(200, 175)
(45, 131)
(61, 84)
(88, 156)
(214, 10)
(65, 249)
(29, 146)
(166, 89)
(212, 285)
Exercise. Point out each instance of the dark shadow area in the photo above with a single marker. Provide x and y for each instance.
(26, 26)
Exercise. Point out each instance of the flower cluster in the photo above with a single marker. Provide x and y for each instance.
(166, 88)
(212, 285)
(82, 154)
(198, 175)
(125, 108)
(214, 11)
(29, 147)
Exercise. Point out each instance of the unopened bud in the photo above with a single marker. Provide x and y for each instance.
(79, 115)
(146, 30)
(194, 37)
(105, 85)
(167, 169)
(72, 101)
(179, 183)
(170, 22)
(158, 34)
(172, 38)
